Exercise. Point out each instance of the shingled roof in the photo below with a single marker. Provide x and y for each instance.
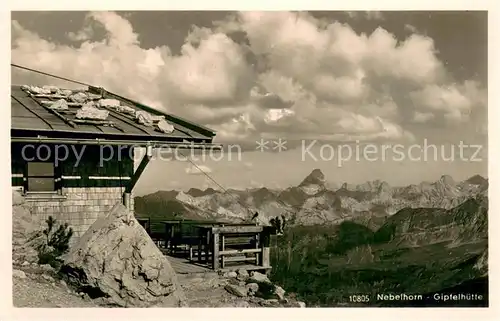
(30, 117)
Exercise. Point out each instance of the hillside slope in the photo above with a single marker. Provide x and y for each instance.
(420, 251)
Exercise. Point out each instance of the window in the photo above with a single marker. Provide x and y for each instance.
(40, 177)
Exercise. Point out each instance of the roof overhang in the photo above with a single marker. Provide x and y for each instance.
(136, 143)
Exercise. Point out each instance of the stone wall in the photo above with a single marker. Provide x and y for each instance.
(77, 206)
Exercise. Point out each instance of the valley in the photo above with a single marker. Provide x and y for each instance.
(365, 239)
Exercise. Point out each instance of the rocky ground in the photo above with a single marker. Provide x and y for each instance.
(40, 286)
(234, 289)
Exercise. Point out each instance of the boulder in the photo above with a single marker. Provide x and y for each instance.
(237, 290)
(231, 274)
(26, 231)
(117, 259)
(18, 274)
(46, 268)
(252, 288)
(242, 274)
(257, 277)
(280, 293)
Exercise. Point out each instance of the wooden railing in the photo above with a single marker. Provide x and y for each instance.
(226, 245)
(216, 244)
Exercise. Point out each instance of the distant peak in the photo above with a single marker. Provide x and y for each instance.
(384, 186)
(210, 190)
(196, 192)
(477, 180)
(315, 178)
(193, 190)
(447, 180)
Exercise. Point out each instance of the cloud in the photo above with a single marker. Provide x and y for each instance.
(292, 76)
(420, 117)
(211, 69)
(454, 102)
(83, 35)
(274, 115)
(410, 28)
(198, 170)
(120, 31)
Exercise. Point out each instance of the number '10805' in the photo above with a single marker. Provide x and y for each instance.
(359, 298)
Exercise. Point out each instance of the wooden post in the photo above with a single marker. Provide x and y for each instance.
(223, 247)
(142, 166)
(126, 200)
(215, 251)
(200, 243)
(135, 177)
(257, 244)
(265, 245)
(166, 236)
(208, 242)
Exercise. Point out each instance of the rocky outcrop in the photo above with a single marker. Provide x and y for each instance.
(465, 223)
(482, 263)
(26, 231)
(117, 259)
(237, 290)
(257, 288)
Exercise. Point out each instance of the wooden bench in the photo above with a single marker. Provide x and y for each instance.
(239, 248)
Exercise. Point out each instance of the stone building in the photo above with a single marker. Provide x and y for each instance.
(73, 151)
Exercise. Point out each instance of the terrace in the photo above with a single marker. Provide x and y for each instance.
(200, 246)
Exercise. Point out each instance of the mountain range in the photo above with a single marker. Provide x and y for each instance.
(313, 201)
(348, 239)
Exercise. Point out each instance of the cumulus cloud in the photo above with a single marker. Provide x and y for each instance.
(411, 28)
(420, 117)
(454, 102)
(211, 69)
(83, 35)
(305, 78)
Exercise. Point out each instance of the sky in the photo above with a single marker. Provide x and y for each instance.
(286, 92)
